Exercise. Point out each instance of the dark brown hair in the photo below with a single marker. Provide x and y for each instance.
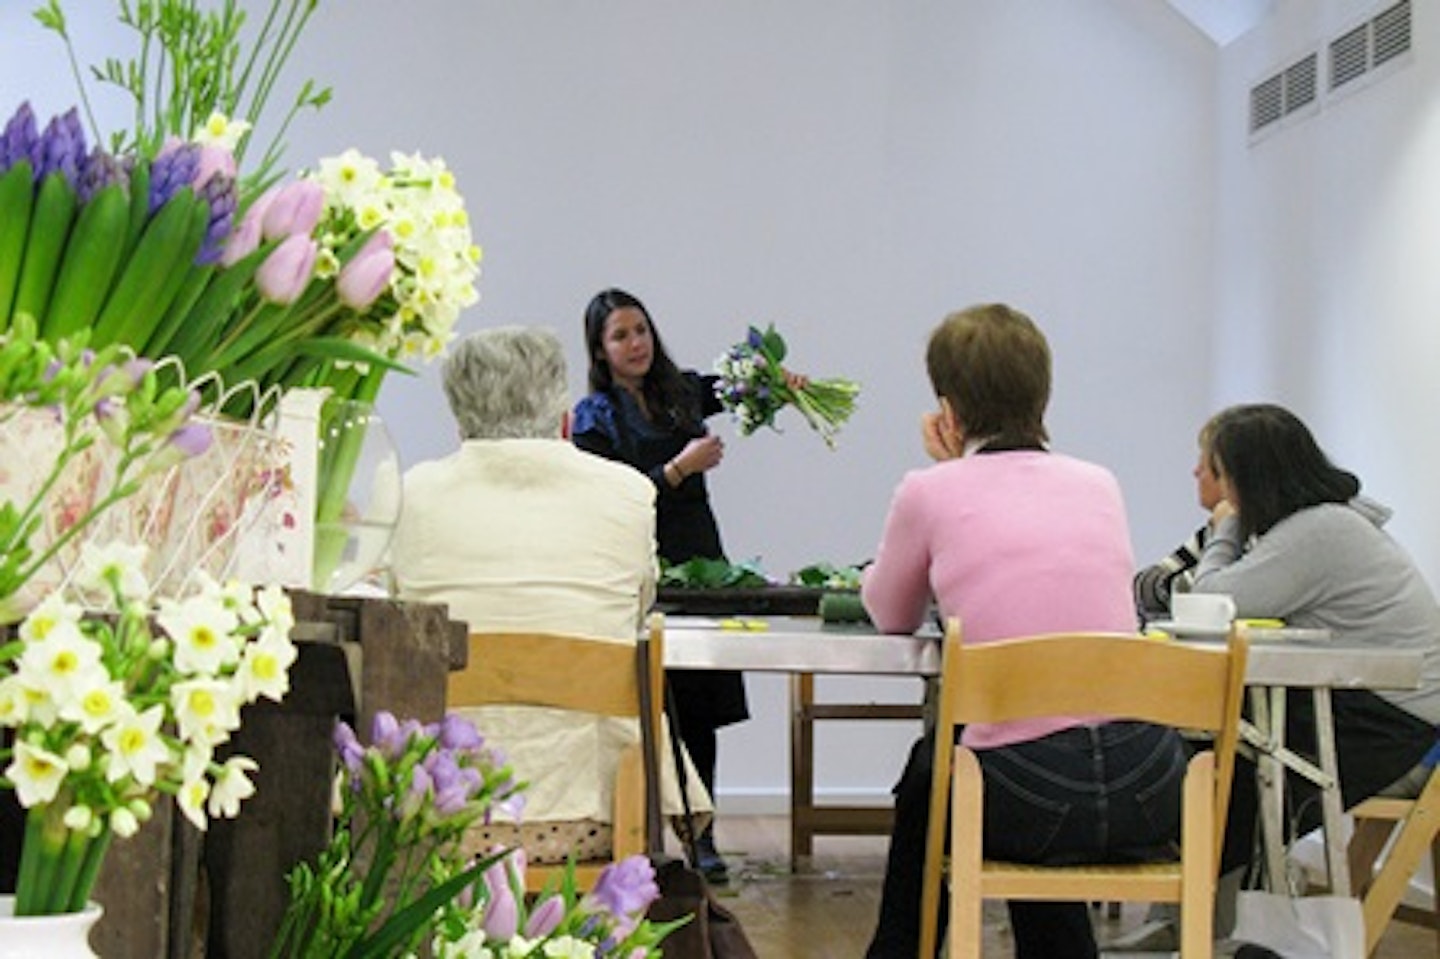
(993, 364)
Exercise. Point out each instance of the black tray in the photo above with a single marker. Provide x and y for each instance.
(755, 601)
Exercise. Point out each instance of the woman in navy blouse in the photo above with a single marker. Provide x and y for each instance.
(645, 411)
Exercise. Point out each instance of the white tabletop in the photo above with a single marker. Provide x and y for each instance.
(806, 645)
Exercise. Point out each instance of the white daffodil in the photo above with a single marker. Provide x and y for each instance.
(47, 614)
(115, 567)
(14, 702)
(95, 706)
(203, 630)
(78, 757)
(221, 131)
(265, 666)
(191, 800)
(566, 947)
(274, 604)
(348, 178)
(135, 745)
(78, 818)
(37, 773)
(206, 710)
(232, 786)
(64, 665)
(123, 823)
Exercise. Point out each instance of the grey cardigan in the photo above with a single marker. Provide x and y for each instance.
(1333, 566)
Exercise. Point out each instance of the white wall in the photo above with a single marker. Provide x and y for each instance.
(849, 170)
(1327, 273)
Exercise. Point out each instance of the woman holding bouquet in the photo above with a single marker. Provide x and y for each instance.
(645, 411)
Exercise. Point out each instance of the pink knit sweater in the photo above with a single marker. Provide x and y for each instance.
(1014, 544)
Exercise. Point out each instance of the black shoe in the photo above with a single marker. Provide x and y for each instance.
(711, 866)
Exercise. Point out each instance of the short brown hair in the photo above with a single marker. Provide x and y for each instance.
(993, 364)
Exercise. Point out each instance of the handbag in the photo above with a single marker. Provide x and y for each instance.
(1301, 927)
(713, 931)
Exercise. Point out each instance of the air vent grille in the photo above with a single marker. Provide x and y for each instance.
(1349, 56)
(1267, 103)
(1300, 83)
(1390, 32)
(1358, 52)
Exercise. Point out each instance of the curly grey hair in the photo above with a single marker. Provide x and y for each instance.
(507, 383)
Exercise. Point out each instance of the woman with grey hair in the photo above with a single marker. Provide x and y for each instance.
(508, 383)
(519, 531)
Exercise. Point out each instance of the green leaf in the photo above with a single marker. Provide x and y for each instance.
(404, 923)
(773, 344)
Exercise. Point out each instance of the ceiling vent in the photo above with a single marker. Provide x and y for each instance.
(1357, 53)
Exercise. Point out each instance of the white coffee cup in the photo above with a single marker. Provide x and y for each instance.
(1202, 611)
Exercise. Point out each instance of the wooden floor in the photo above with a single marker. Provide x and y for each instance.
(828, 911)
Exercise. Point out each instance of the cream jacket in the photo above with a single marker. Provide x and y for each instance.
(536, 535)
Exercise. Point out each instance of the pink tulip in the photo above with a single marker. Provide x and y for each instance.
(245, 238)
(367, 275)
(287, 270)
(502, 913)
(544, 918)
(294, 210)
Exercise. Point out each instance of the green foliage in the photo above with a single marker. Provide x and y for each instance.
(700, 573)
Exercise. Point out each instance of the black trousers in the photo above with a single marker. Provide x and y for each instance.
(1104, 794)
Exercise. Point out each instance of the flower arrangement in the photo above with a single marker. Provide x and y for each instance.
(755, 387)
(109, 712)
(162, 244)
(393, 878)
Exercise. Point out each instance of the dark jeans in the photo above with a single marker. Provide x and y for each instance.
(1376, 742)
(1108, 793)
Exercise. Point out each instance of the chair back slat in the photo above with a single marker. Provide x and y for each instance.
(540, 669)
(1114, 675)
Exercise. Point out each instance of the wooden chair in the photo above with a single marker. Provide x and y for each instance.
(1126, 677)
(582, 674)
(1414, 825)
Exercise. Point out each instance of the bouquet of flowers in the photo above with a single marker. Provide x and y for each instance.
(393, 877)
(755, 387)
(110, 711)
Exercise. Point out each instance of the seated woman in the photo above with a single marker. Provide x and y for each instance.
(518, 530)
(1017, 540)
(1155, 584)
(1317, 556)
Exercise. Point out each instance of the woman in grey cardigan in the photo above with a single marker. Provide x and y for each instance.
(1318, 557)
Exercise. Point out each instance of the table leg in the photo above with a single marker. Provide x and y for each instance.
(802, 768)
(1331, 806)
(1268, 708)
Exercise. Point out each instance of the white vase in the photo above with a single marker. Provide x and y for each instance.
(66, 936)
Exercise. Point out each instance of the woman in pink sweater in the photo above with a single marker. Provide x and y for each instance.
(1016, 540)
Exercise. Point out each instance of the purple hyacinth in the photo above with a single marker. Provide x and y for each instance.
(61, 148)
(17, 141)
(99, 171)
(221, 195)
(174, 169)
